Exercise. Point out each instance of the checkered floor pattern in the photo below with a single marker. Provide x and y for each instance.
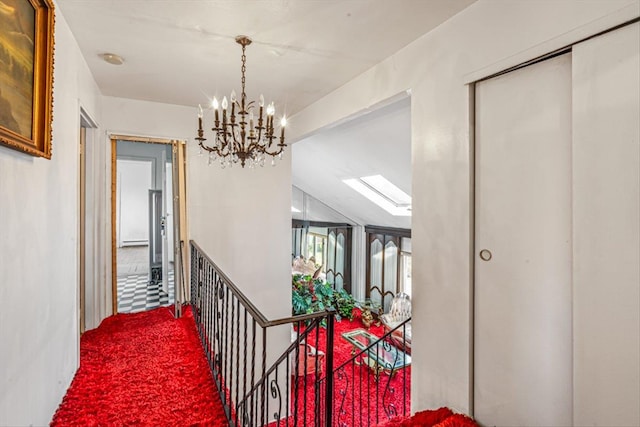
(135, 294)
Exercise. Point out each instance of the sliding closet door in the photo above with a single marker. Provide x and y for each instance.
(606, 170)
(523, 360)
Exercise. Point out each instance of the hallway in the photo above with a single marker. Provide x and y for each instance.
(142, 369)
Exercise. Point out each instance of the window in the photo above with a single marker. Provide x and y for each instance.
(388, 264)
(316, 244)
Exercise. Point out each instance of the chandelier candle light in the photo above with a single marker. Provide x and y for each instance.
(238, 137)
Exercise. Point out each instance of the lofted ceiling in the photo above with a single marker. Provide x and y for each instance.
(378, 143)
(183, 51)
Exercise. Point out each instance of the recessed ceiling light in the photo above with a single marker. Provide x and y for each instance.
(112, 58)
(294, 210)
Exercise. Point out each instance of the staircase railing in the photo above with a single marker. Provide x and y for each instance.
(234, 335)
(372, 386)
(303, 400)
(300, 387)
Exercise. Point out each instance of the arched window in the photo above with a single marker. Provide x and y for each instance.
(388, 264)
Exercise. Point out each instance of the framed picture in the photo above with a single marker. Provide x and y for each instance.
(26, 75)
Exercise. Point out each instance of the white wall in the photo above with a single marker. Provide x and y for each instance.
(144, 151)
(132, 198)
(143, 118)
(39, 207)
(487, 37)
(242, 219)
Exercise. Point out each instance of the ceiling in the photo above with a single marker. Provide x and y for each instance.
(378, 143)
(183, 51)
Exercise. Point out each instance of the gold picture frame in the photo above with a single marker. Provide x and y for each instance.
(26, 75)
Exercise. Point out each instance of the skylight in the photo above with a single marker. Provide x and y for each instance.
(383, 193)
(383, 186)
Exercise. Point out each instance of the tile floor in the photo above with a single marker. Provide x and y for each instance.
(134, 291)
(136, 294)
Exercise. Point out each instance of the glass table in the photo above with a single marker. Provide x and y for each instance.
(380, 356)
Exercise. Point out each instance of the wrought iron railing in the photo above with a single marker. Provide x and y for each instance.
(300, 387)
(372, 386)
(303, 398)
(234, 334)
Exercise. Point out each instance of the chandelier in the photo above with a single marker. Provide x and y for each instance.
(240, 136)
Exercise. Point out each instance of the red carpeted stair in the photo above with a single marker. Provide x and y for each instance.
(143, 369)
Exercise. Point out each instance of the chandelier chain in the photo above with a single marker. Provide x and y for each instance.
(243, 69)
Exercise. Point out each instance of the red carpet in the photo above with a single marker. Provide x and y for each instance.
(364, 404)
(359, 399)
(143, 369)
(442, 417)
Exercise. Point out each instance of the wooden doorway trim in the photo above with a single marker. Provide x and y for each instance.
(114, 155)
(182, 253)
(114, 271)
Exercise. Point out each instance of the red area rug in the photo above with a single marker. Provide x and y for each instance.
(142, 369)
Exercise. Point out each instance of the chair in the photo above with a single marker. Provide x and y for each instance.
(310, 354)
(399, 312)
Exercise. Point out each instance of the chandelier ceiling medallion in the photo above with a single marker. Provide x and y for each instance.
(239, 136)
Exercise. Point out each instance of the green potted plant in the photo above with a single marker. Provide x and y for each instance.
(313, 295)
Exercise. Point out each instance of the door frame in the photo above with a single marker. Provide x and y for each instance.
(82, 224)
(180, 179)
(84, 136)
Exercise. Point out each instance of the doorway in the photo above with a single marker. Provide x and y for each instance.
(357, 173)
(92, 307)
(147, 234)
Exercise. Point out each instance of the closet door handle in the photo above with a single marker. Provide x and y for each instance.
(485, 254)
